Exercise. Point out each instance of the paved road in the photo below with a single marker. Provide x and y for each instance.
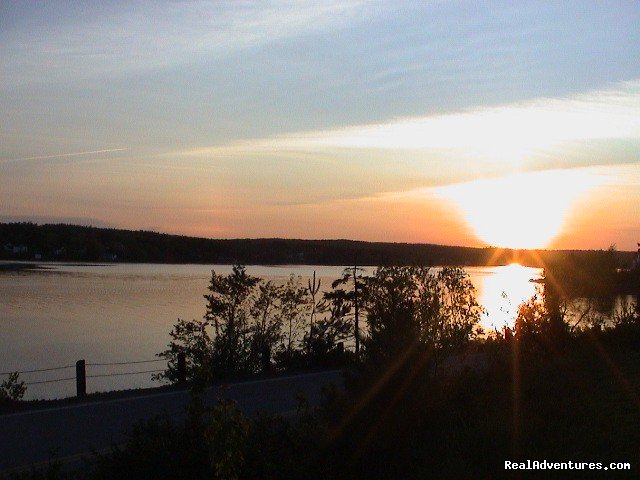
(31, 437)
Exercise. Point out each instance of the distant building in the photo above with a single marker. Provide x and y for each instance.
(20, 249)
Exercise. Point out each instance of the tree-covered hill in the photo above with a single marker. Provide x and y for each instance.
(61, 242)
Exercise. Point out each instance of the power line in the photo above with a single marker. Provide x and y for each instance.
(64, 367)
(95, 376)
(51, 381)
(124, 373)
(39, 370)
(125, 363)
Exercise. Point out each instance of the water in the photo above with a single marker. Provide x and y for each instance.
(124, 312)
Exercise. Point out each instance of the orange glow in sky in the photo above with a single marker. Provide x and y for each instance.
(522, 210)
(430, 123)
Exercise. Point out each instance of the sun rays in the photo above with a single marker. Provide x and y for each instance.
(521, 210)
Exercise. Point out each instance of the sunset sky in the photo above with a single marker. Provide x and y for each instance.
(514, 124)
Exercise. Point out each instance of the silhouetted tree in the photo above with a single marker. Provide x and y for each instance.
(346, 299)
(229, 308)
(191, 338)
(413, 311)
(247, 324)
(12, 389)
(313, 289)
(294, 305)
(266, 328)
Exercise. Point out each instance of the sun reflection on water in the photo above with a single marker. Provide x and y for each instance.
(500, 290)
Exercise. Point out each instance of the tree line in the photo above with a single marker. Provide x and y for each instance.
(60, 242)
(253, 326)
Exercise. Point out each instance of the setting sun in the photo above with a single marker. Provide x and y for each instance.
(522, 210)
(430, 208)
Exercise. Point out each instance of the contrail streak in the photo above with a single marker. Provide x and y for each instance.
(75, 154)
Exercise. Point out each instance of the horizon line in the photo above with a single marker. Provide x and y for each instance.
(486, 247)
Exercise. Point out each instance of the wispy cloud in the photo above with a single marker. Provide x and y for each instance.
(62, 155)
(510, 133)
(133, 36)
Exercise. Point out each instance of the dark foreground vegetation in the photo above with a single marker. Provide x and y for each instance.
(425, 396)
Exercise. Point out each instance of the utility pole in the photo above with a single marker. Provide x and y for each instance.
(355, 308)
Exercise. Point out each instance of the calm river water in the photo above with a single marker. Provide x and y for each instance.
(124, 312)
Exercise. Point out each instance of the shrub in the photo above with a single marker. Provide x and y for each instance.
(12, 389)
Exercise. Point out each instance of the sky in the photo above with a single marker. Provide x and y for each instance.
(509, 123)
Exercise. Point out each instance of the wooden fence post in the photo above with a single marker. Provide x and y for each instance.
(81, 379)
(182, 368)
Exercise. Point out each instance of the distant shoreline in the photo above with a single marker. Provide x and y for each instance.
(19, 266)
(83, 245)
(8, 266)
